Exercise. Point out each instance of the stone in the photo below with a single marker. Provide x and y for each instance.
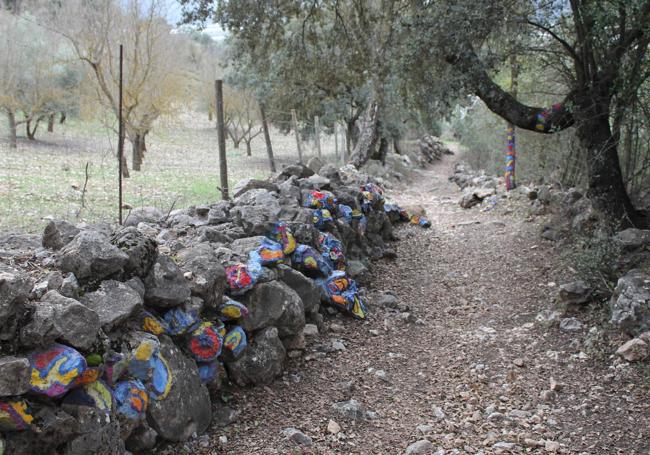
(256, 211)
(141, 250)
(305, 287)
(315, 164)
(274, 304)
(423, 447)
(252, 184)
(632, 238)
(143, 215)
(333, 427)
(574, 293)
(386, 300)
(630, 302)
(552, 446)
(310, 330)
(15, 287)
(297, 436)
(262, 362)
(70, 286)
(15, 375)
(223, 416)
(424, 429)
(91, 257)
(570, 325)
(55, 369)
(143, 438)
(57, 234)
(187, 409)
(634, 350)
(299, 170)
(350, 410)
(114, 302)
(165, 285)
(208, 280)
(98, 435)
(548, 317)
(57, 317)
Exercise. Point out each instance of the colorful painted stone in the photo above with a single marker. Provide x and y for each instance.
(95, 395)
(205, 343)
(231, 310)
(342, 293)
(320, 200)
(131, 399)
(239, 279)
(420, 221)
(283, 235)
(180, 322)
(15, 415)
(321, 217)
(208, 371)
(153, 324)
(332, 250)
(114, 367)
(142, 360)
(161, 379)
(91, 374)
(310, 261)
(269, 252)
(235, 341)
(55, 369)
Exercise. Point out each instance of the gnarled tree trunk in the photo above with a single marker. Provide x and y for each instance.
(139, 148)
(368, 136)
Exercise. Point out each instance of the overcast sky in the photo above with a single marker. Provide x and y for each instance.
(174, 14)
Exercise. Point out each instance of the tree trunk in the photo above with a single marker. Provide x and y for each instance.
(367, 137)
(248, 148)
(11, 117)
(382, 151)
(138, 145)
(606, 187)
(236, 143)
(210, 115)
(31, 132)
(267, 138)
(397, 146)
(50, 123)
(63, 117)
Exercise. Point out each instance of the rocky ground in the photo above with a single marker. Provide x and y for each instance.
(452, 359)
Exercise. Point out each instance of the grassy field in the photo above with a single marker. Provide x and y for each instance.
(43, 179)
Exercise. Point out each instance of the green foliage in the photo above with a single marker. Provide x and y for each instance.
(595, 260)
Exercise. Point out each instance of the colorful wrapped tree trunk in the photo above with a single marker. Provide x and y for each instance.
(511, 157)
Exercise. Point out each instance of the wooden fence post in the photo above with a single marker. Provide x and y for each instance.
(221, 129)
(120, 135)
(267, 138)
(294, 122)
(317, 133)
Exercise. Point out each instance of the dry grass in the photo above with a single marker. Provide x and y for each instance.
(43, 179)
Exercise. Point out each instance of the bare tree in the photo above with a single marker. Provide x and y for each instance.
(242, 118)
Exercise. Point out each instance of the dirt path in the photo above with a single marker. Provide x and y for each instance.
(474, 369)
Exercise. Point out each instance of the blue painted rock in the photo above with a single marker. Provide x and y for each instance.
(283, 235)
(15, 415)
(231, 310)
(310, 261)
(95, 395)
(151, 323)
(208, 371)
(142, 360)
(268, 253)
(235, 341)
(114, 368)
(55, 369)
(205, 342)
(131, 399)
(180, 321)
(161, 379)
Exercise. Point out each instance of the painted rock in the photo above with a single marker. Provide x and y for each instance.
(205, 343)
(115, 366)
(231, 310)
(268, 253)
(283, 235)
(235, 341)
(321, 217)
(180, 321)
(90, 374)
(239, 278)
(142, 360)
(151, 323)
(332, 250)
(55, 369)
(15, 415)
(95, 395)
(320, 200)
(208, 371)
(342, 293)
(161, 379)
(309, 260)
(131, 399)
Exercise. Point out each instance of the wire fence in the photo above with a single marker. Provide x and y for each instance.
(72, 173)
